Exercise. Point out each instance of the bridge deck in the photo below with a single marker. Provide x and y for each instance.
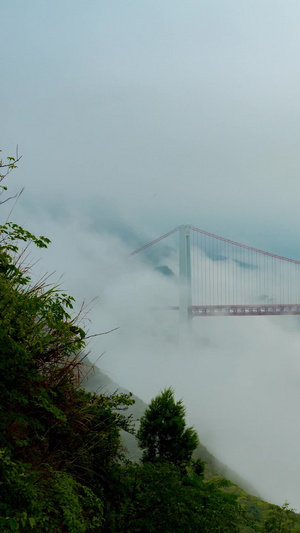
(244, 310)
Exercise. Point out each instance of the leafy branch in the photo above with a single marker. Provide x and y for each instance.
(8, 166)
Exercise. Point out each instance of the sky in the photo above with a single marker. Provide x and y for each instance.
(132, 118)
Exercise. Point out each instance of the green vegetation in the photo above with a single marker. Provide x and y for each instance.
(162, 434)
(62, 461)
(59, 445)
(280, 520)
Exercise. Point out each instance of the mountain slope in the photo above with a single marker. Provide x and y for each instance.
(99, 381)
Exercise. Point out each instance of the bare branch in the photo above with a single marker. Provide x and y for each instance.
(10, 198)
(103, 333)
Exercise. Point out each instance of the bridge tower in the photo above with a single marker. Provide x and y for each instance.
(185, 278)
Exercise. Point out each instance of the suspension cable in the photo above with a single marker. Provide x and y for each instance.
(244, 246)
(153, 242)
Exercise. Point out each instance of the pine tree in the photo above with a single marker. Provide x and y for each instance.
(163, 434)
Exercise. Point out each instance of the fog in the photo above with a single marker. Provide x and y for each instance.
(238, 376)
(133, 118)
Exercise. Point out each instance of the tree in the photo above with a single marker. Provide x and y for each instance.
(163, 434)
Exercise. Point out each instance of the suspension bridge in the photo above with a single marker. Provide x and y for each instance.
(221, 277)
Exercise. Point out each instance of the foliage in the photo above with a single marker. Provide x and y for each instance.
(53, 503)
(59, 445)
(11, 262)
(167, 492)
(59, 442)
(280, 520)
(163, 434)
(157, 498)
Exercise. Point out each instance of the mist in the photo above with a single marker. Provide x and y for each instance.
(238, 376)
(133, 118)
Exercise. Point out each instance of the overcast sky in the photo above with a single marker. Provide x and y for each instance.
(133, 117)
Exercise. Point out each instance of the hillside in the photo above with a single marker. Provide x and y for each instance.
(256, 509)
(98, 381)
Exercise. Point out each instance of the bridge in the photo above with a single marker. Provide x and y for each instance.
(221, 277)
